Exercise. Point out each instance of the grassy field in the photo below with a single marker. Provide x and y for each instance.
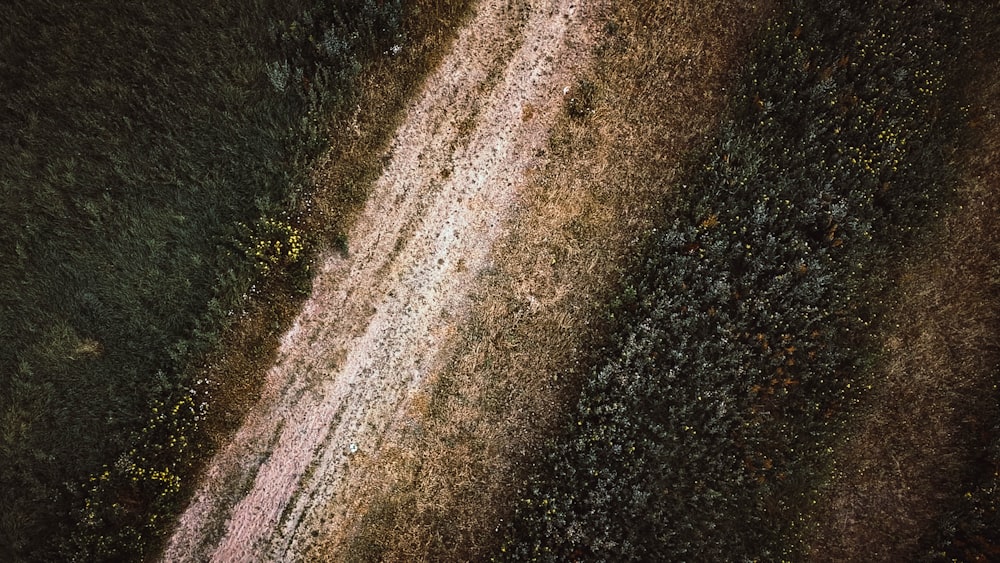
(159, 181)
(799, 360)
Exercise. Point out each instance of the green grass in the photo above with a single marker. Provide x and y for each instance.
(154, 154)
(751, 312)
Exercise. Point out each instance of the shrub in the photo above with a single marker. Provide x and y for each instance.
(748, 335)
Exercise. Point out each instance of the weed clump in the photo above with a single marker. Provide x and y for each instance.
(580, 99)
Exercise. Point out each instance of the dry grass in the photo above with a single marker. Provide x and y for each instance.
(446, 476)
(924, 421)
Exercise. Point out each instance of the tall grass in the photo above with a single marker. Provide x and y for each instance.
(154, 180)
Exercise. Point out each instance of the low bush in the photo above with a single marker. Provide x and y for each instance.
(751, 309)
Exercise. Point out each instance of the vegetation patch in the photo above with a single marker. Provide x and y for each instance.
(750, 314)
(915, 475)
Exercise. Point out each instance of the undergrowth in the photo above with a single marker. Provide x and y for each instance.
(751, 310)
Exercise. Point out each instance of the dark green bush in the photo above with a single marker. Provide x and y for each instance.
(580, 99)
(747, 339)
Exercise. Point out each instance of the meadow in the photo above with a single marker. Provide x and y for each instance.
(171, 170)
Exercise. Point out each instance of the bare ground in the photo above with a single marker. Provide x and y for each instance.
(378, 317)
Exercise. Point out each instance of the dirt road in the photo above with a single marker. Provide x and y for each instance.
(378, 317)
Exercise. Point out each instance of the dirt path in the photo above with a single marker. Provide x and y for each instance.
(377, 319)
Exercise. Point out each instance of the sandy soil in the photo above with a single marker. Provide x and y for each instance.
(379, 317)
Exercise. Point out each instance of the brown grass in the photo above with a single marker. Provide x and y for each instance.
(446, 477)
(921, 426)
